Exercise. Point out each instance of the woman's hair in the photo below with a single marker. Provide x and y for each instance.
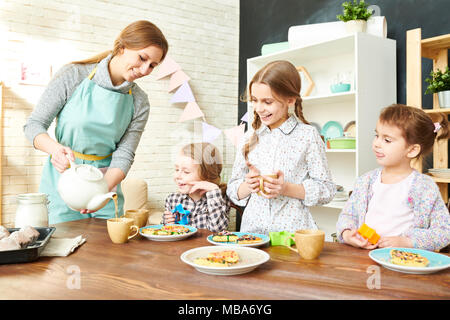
(137, 35)
(208, 157)
(284, 81)
(416, 126)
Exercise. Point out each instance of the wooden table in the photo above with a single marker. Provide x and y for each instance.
(143, 269)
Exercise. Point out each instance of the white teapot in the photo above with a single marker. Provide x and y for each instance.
(82, 186)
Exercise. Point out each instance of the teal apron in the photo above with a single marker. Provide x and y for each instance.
(91, 123)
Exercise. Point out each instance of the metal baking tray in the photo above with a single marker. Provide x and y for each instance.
(31, 252)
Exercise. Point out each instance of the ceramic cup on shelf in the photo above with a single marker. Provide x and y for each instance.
(309, 243)
(119, 229)
(262, 179)
(139, 216)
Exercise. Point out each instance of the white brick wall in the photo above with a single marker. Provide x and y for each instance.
(203, 36)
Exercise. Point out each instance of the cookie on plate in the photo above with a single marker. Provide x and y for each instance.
(224, 236)
(408, 259)
(248, 238)
(219, 259)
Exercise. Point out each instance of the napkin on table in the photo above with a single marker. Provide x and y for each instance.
(58, 247)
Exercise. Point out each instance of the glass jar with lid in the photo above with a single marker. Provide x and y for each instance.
(31, 210)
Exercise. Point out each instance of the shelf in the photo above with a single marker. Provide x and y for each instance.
(436, 43)
(341, 150)
(311, 52)
(432, 111)
(438, 180)
(341, 97)
(435, 48)
(441, 180)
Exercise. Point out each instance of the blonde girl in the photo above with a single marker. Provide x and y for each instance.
(197, 176)
(404, 206)
(283, 144)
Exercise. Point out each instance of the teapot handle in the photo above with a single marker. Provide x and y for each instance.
(71, 163)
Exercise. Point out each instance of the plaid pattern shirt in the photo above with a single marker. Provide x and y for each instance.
(210, 212)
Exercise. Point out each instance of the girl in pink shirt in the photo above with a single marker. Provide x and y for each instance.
(404, 206)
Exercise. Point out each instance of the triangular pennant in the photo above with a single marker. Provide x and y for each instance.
(235, 134)
(210, 133)
(191, 111)
(167, 67)
(177, 79)
(245, 117)
(183, 94)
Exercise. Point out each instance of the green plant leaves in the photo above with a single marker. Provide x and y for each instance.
(438, 81)
(354, 11)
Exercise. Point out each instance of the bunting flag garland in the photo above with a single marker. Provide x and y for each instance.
(183, 94)
(167, 67)
(210, 133)
(177, 79)
(191, 111)
(245, 117)
(235, 134)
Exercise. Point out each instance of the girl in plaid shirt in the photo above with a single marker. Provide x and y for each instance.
(197, 175)
(404, 206)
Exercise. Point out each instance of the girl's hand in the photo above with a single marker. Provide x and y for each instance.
(252, 178)
(169, 217)
(202, 186)
(352, 238)
(59, 158)
(273, 186)
(403, 242)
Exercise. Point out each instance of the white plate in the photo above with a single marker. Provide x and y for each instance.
(193, 231)
(249, 259)
(437, 261)
(265, 239)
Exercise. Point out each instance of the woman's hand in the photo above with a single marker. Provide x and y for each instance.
(169, 217)
(273, 186)
(403, 242)
(59, 158)
(202, 186)
(252, 178)
(352, 238)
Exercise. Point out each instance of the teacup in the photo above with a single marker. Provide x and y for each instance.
(262, 177)
(139, 216)
(119, 229)
(309, 243)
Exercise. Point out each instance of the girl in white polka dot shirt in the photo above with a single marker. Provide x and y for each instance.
(285, 145)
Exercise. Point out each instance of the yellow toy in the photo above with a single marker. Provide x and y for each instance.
(368, 233)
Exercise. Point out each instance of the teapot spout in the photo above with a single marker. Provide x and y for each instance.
(99, 201)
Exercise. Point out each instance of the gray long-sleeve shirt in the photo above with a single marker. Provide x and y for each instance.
(61, 88)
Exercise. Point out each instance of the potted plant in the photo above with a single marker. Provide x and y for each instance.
(355, 16)
(439, 82)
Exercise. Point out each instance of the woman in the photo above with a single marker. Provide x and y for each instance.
(101, 114)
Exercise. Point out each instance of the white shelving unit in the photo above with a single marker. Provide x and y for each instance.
(372, 62)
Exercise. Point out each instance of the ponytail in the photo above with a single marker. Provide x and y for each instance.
(95, 59)
(299, 110)
(443, 132)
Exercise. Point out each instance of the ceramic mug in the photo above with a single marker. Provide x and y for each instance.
(139, 216)
(262, 192)
(119, 229)
(309, 243)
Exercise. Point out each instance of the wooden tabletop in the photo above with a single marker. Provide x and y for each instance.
(143, 269)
